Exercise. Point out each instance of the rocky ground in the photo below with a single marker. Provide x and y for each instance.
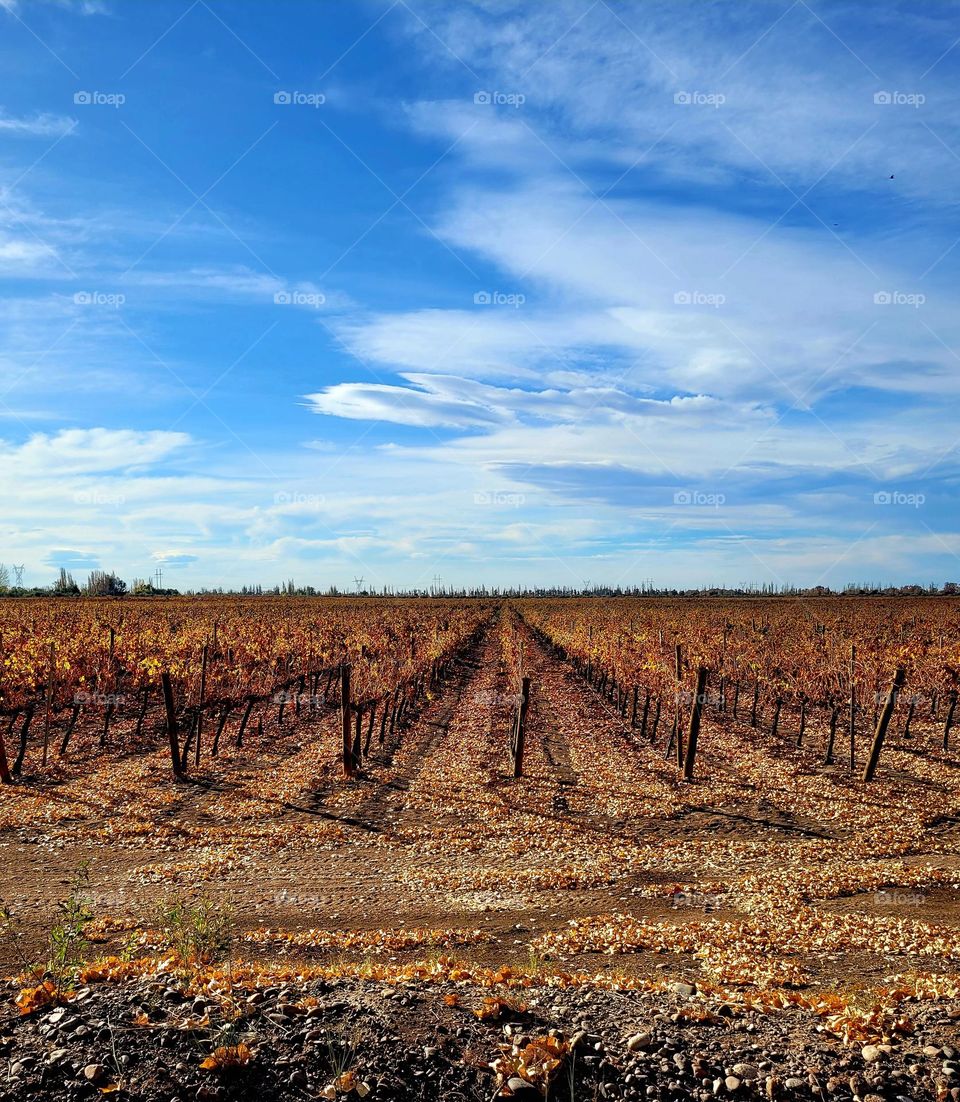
(152, 1040)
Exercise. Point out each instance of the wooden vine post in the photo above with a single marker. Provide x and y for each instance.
(693, 731)
(891, 702)
(171, 724)
(520, 728)
(345, 719)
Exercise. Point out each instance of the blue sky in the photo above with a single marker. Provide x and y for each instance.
(505, 293)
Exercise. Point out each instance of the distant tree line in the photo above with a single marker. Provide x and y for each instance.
(99, 583)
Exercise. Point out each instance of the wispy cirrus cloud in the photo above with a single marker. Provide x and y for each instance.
(43, 125)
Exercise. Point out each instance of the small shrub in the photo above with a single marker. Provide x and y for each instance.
(199, 931)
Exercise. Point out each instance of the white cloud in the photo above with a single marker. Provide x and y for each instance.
(79, 451)
(399, 405)
(687, 299)
(21, 254)
(41, 125)
(798, 95)
(81, 7)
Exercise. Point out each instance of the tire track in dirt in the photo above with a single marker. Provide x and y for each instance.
(463, 747)
(393, 770)
(605, 778)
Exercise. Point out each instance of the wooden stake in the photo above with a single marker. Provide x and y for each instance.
(693, 731)
(521, 728)
(871, 767)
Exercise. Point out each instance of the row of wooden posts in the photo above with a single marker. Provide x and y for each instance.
(392, 710)
(686, 749)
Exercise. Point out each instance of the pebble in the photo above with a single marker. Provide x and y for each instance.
(732, 1083)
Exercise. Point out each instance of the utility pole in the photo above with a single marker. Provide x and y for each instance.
(18, 572)
(158, 575)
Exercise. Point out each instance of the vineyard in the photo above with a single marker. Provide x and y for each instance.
(570, 848)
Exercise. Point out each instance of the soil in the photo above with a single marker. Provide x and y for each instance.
(436, 835)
